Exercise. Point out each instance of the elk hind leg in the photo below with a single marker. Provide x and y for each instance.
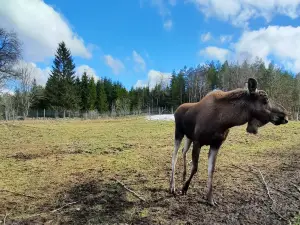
(195, 159)
(187, 145)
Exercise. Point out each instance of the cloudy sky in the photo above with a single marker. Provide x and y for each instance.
(140, 42)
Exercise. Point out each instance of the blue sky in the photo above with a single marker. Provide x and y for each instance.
(138, 41)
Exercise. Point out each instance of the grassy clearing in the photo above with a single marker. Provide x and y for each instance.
(55, 163)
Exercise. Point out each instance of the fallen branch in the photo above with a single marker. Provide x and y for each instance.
(70, 203)
(241, 168)
(285, 192)
(267, 189)
(4, 220)
(131, 191)
(298, 188)
(274, 211)
(265, 184)
(16, 193)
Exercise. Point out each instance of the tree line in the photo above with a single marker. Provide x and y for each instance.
(65, 92)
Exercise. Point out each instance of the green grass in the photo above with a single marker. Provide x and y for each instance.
(57, 162)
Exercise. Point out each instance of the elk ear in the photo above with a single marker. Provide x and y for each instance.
(252, 85)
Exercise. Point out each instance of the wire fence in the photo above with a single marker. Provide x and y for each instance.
(71, 114)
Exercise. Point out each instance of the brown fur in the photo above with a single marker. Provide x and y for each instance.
(208, 121)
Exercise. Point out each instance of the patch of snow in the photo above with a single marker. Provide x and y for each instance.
(167, 117)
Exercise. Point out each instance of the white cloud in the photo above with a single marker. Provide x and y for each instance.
(7, 91)
(280, 42)
(139, 61)
(41, 75)
(206, 37)
(168, 24)
(154, 77)
(225, 38)
(89, 71)
(163, 7)
(239, 12)
(115, 64)
(40, 28)
(213, 52)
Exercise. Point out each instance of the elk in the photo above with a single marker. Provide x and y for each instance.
(208, 122)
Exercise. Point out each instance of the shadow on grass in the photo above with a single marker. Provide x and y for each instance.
(100, 202)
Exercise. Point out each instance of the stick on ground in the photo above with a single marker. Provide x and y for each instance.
(131, 191)
(55, 210)
(4, 220)
(298, 188)
(266, 186)
(274, 211)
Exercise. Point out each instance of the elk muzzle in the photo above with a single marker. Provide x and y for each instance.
(279, 119)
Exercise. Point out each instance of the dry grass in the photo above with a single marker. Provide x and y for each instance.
(55, 163)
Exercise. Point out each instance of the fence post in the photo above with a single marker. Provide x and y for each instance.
(37, 113)
(44, 113)
(172, 110)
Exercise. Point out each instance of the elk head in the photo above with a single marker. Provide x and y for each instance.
(261, 110)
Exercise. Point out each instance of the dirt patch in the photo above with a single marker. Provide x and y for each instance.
(116, 150)
(23, 156)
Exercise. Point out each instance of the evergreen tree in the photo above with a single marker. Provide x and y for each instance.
(92, 94)
(78, 91)
(84, 92)
(38, 97)
(108, 87)
(101, 100)
(212, 76)
(60, 87)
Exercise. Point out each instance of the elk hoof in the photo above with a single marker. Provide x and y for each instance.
(184, 190)
(212, 202)
(172, 191)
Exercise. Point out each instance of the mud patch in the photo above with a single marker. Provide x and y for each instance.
(98, 202)
(23, 156)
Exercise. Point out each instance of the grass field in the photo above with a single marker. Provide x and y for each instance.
(60, 172)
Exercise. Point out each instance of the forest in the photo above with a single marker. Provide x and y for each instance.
(66, 93)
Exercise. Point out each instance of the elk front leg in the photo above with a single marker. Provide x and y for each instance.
(212, 156)
(195, 159)
(187, 145)
(177, 143)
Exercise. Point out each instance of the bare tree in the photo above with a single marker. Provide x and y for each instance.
(7, 102)
(123, 106)
(10, 54)
(25, 76)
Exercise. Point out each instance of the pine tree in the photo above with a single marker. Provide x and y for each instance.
(60, 87)
(38, 92)
(84, 92)
(101, 100)
(108, 87)
(92, 94)
(78, 91)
